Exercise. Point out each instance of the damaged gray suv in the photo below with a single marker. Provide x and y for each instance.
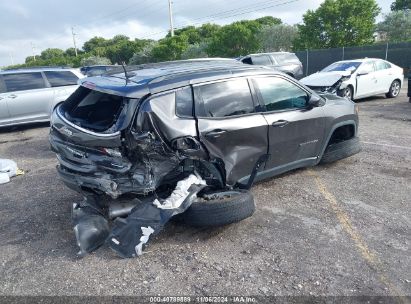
(139, 131)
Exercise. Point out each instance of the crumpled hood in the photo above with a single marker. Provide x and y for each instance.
(324, 79)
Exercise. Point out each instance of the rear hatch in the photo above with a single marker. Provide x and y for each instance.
(87, 131)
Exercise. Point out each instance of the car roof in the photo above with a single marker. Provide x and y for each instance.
(269, 53)
(156, 77)
(360, 60)
(37, 69)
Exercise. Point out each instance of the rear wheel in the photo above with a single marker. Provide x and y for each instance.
(219, 208)
(395, 89)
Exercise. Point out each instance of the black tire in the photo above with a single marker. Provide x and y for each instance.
(347, 93)
(220, 209)
(341, 150)
(395, 89)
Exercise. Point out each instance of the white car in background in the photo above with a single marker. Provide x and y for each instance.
(355, 79)
(31, 94)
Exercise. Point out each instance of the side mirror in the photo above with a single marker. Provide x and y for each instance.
(314, 100)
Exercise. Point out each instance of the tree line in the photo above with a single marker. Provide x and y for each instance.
(336, 23)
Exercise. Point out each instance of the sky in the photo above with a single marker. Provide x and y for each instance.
(28, 26)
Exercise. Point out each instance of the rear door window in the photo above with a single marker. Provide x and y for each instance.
(60, 79)
(286, 58)
(227, 98)
(261, 60)
(278, 94)
(24, 81)
(184, 102)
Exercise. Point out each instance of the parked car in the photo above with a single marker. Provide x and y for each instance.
(142, 131)
(30, 95)
(355, 79)
(281, 61)
(97, 70)
(409, 85)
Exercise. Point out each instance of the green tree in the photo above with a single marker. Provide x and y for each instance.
(170, 48)
(95, 60)
(399, 5)
(268, 21)
(235, 39)
(338, 23)
(197, 50)
(144, 55)
(277, 37)
(95, 42)
(51, 53)
(396, 26)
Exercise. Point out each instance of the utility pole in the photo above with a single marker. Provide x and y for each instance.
(32, 50)
(170, 11)
(74, 39)
(11, 58)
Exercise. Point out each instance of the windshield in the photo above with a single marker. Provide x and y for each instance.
(342, 66)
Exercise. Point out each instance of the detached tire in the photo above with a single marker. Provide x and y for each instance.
(219, 208)
(341, 150)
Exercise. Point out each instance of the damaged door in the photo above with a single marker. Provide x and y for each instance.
(295, 129)
(230, 127)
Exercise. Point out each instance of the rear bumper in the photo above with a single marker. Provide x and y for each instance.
(114, 186)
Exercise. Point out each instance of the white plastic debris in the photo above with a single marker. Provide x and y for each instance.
(146, 231)
(8, 169)
(4, 178)
(180, 193)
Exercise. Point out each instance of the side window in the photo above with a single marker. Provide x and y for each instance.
(184, 102)
(226, 98)
(367, 67)
(381, 65)
(60, 79)
(2, 86)
(279, 94)
(24, 81)
(261, 60)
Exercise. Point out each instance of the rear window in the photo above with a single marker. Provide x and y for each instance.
(60, 79)
(286, 58)
(23, 81)
(261, 60)
(226, 98)
(93, 110)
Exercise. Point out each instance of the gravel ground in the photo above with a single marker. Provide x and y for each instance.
(336, 230)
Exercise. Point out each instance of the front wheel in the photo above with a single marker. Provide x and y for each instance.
(347, 93)
(395, 89)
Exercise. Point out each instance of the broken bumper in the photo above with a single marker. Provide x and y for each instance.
(106, 183)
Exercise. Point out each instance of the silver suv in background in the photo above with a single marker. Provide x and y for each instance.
(285, 62)
(30, 95)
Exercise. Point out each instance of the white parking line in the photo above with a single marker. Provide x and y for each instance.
(385, 145)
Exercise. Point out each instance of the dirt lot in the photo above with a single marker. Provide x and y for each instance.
(342, 229)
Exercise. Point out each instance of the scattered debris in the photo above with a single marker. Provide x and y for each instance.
(130, 235)
(8, 169)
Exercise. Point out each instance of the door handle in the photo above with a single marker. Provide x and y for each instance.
(280, 123)
(215, 133)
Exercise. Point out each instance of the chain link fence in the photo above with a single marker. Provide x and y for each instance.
(397, 53)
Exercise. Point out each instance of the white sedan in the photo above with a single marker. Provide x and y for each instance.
(355, 79)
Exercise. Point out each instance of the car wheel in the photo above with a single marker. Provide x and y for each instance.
(347, 93)
(341, 150)
(395, 89)
(219, 208)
